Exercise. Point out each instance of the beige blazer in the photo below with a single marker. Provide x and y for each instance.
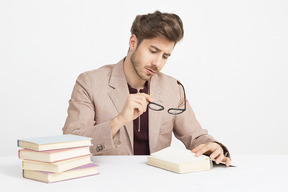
(99, 95)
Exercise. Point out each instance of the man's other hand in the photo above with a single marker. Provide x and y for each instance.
(214, 150)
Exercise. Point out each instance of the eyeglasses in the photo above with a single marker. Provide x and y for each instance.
(173, 111)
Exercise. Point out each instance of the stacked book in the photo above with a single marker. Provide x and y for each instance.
(56, 158)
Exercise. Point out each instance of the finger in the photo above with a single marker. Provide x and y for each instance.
(145, 99)
(148, 98)
(207, 149)
(197, 148)
(139, 100)
(227, 161)
(219, 159)
(215, 154)
(142, 101)
(139, 108)
(203, 150)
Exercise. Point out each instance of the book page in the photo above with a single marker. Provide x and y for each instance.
(179, 156)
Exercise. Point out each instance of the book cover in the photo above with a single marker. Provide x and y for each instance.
(59, 166)
(53, 155)
(49, 177)
(54, 142)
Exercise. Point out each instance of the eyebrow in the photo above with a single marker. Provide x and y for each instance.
(168, 54)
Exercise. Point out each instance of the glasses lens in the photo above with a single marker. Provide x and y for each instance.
(176, 111)
(155, 106)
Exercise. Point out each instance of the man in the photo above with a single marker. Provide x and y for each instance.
(131, 108)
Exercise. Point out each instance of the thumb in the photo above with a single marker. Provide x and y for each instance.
(149, 98)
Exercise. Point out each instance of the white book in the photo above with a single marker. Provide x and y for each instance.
(179, 160)
(56, 167)
(49, 177)
(54, 142)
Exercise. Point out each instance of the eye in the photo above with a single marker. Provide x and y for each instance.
(152, 51)
(165, 56)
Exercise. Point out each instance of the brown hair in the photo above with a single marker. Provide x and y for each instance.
(155, 24)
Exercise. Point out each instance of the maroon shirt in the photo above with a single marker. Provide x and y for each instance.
(141, 139)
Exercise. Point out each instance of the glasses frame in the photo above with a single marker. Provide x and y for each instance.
(171, 109)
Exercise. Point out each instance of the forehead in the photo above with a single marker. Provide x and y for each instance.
(159, 42)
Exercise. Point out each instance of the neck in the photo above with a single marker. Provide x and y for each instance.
(131, 76)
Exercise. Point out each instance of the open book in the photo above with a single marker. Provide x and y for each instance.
(179, 160)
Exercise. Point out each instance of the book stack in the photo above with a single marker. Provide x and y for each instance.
(56, 158)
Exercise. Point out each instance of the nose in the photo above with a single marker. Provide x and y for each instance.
(157, 61)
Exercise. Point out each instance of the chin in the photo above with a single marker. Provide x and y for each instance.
(146, 78)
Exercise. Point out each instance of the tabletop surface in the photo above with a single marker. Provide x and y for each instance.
(131, 173)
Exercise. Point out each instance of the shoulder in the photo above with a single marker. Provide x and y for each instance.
(96, 73)
(96, 76)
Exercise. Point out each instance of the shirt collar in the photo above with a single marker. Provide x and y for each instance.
(144, 90)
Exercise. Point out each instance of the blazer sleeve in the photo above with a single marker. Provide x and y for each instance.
(189, 131)
(81, 117)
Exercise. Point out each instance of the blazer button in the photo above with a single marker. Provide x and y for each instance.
(99, 148)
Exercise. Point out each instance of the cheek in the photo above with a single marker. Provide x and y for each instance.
(162, 64)
(141, 55)
(146, 58)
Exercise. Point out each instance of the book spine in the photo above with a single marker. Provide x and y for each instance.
(34, 179)
(17, 142)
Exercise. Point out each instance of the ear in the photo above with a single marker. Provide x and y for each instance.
(133, 41)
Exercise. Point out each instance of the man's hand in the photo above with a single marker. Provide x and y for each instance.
(214, 150)
(135, 105)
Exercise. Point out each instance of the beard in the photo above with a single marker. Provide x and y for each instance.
(138, 67)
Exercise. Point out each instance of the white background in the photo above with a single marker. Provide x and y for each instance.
(232, 62)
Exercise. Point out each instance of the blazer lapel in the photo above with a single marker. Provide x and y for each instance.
(155, 117)
(119, 93)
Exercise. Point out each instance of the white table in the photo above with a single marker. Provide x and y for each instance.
(131, 173)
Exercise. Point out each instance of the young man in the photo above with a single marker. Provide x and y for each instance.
(131, 108)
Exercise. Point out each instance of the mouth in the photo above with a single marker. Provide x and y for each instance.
(151, 72)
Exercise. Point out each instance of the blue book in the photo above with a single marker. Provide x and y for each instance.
(54, 142)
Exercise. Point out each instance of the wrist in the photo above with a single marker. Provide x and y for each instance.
(119, 120)
(116, 123)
